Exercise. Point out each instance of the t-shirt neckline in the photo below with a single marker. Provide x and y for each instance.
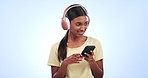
(81, 45)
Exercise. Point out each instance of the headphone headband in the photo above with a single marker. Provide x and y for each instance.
(71, 6)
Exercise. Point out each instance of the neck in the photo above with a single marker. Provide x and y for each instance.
(73, 38)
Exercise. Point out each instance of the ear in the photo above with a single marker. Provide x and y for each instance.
(65, 23)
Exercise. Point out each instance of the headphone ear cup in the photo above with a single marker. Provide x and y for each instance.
(68, 23)
(65, 23)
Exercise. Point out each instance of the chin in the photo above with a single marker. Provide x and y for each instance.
(80, 34)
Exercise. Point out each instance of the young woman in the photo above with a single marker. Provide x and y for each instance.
(65, 57)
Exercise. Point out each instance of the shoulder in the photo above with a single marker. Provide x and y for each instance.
(93, 40)
(54, 48)
(55, 45)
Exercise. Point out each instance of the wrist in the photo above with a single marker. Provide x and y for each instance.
(92, 61)
(64, 64)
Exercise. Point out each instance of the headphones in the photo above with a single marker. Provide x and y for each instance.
(65, 21)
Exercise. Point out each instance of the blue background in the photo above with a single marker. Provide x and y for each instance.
(28, 28)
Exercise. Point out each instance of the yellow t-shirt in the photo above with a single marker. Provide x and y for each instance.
(78, 70)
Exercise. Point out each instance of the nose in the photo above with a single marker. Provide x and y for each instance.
(83, 28)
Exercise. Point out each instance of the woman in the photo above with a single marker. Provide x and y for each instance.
(65, 56)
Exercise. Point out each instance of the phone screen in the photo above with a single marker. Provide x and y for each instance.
(87, 50)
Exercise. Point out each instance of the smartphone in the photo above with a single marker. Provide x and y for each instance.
(87, 50)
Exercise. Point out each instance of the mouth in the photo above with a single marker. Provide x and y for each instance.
(80, 32)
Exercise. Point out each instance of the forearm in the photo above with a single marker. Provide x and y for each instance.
(96, 70)
(61, 72)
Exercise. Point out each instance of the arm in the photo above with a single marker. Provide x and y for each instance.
(96, 66)
(60, 72)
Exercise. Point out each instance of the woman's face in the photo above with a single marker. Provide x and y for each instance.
(79, 25)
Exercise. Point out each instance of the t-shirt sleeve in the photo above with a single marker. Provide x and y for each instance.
(98, 54)
(53, 56)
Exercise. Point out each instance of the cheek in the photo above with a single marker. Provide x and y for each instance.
(74, 29)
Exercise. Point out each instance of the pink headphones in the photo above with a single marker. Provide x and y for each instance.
(65, 21)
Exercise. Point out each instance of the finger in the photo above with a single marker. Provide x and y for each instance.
(77, 55)
(79, 59)
(92, 53)
(73, 60)
(86, 58)
(88, 55)
(76, 60)
(74, 55)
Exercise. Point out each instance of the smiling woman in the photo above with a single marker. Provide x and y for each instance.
(79, 25)
(28, 29)
(65, 56)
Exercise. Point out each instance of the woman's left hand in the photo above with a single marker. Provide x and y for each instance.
(89, 57)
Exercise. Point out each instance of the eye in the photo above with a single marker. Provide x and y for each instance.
(86, 23)
(78, 23)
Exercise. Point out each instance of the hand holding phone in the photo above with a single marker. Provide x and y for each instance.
(87, 50)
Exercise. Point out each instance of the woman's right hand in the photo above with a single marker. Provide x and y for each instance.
(75, 58)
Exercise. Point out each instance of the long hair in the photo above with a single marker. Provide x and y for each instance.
(71, 14)
(62, 50)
